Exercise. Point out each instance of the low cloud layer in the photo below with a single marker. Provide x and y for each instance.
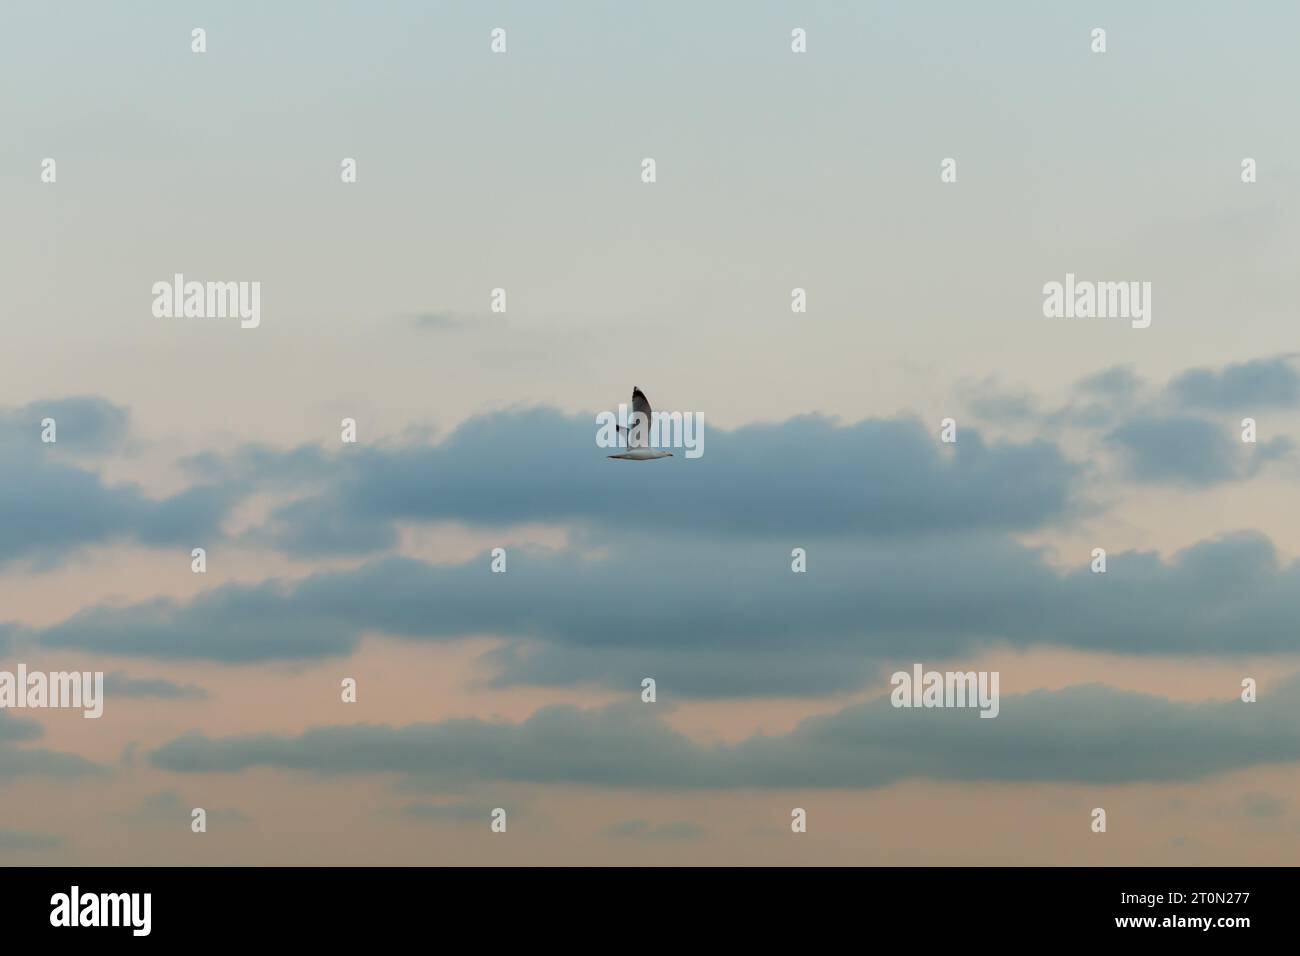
(51, 504)
(731, 619)
(1244, 387)
(1191, 451)
(1086, 734)
(884, 478)
(22, 761)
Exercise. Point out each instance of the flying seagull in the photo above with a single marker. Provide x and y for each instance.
(638, 439)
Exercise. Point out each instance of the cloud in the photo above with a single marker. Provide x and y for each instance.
(23, 762)
(304, 527)
(85, 424)
(257, 465)
(118, 684)
(1099, 399)
(1167, 419)
(809, 476)
(1088, 734)
(51, 504)
(448, 812)
(1258, 805)
(16, 729)
(50, 507)
(1003, 407)
(986, 399)
(1119, 382)
(1241, 387)
(1190, 451)
(684, 572)
(722, 619)
(232, 623)
(169, 808)
(645, 830)
(28, 840)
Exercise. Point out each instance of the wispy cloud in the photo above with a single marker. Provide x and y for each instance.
(645, 830)
(1087, 733)
(119, 684)
(11, 839)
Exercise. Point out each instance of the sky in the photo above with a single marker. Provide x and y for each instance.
(476, 430)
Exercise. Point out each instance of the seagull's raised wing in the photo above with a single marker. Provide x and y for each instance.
(639, 437)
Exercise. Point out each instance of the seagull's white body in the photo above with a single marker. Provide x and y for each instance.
(643, 454)
(638, 439)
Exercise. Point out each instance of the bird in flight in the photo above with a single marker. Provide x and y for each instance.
(638, 437)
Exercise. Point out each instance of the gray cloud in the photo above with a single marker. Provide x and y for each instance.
(1091, 734)
(28, 840)
(260, 465)
(1119, 382)
(49, 507)
(1257, 805)
(645, 830)
(1003, 407)
(16, 729)
(988, 400)
(1190, 451)
(35, 761)
(730, 619)
(169, 808)
(810, 476)
(16, 762)
(86, 424)
(119, 684)
(1099, 399)
(1165, 440)
(448, 812)
(1241, 387)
